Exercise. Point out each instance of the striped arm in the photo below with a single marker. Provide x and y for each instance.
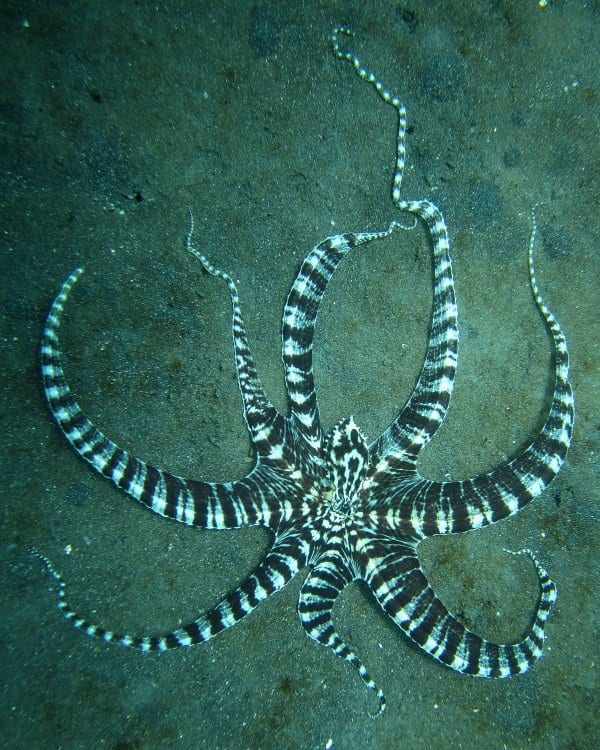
(276, 570)
(298, 326)
(260, 414)
(386, 95)
(453, 507)
(399, 584)
(448, 507)
(330, 575)
(203, 504)
(423, 414)
(426, 409)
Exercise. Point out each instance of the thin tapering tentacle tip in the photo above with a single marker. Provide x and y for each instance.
(382, 703)
(335, 41)
(548, 586)
(341, 30)
(397, 224)
(31, 551)
(513, 552)
(49, 567)
(538, 204)
(191, 227)
(35, 552)
(524, 551)
(74, 275)
(67, 285)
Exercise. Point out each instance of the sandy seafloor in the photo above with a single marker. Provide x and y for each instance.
(117, 117)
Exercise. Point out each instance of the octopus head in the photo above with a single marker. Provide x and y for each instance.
(347, 459)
